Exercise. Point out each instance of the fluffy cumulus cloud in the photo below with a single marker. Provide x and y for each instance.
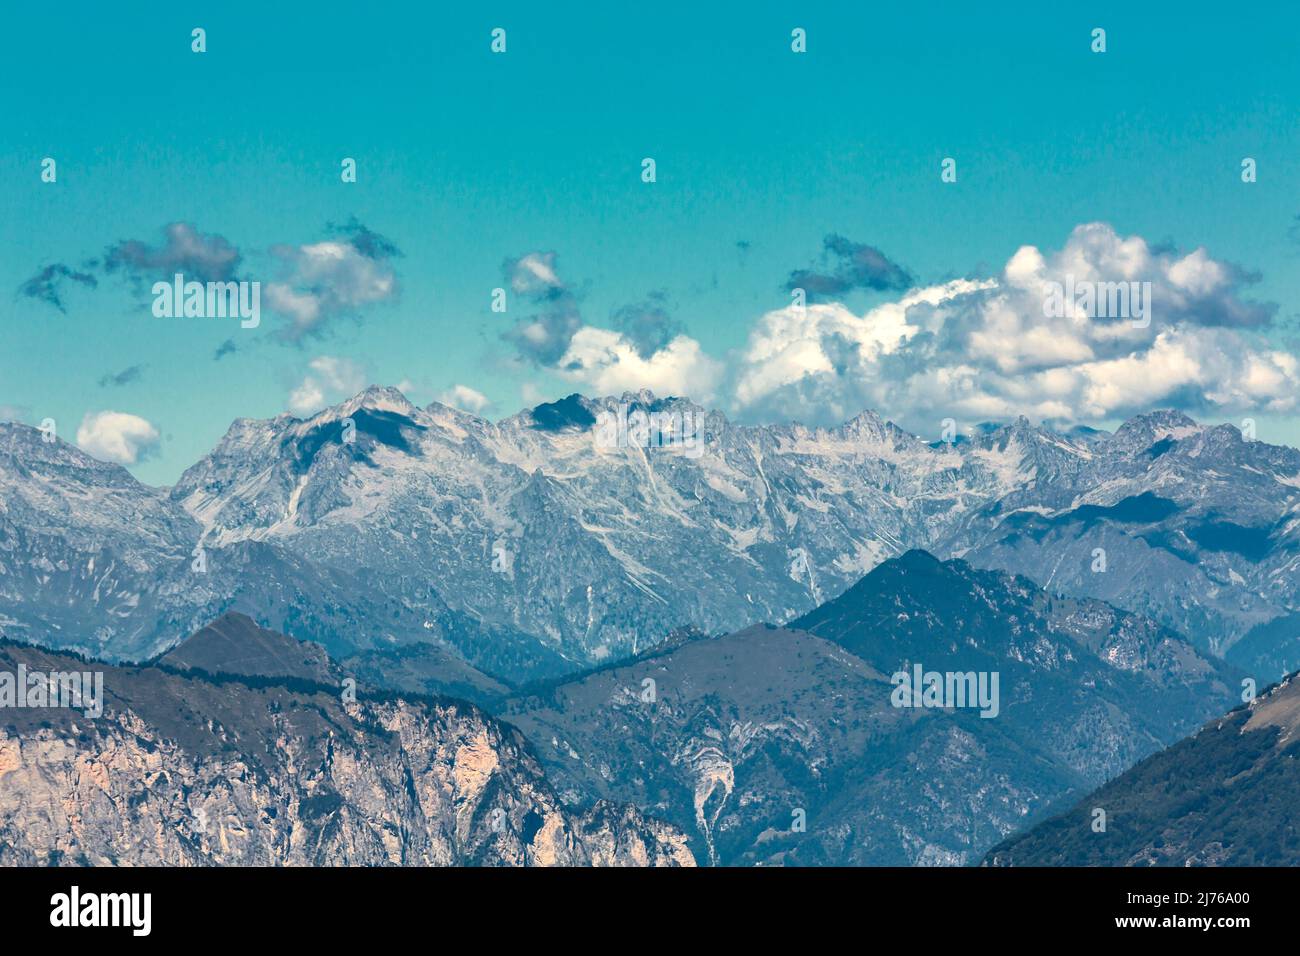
(314, 283)
(609, 363)
(117, 437)
(329, 380)
(1028, 342)
(335, 277)
(646, 349)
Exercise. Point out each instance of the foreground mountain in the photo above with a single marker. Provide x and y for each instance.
(185, 767)
(540, 545)
(1224, 797)
(785, 745)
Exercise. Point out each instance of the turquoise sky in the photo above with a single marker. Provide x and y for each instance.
(466, 159)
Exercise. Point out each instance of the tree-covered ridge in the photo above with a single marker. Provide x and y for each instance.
(1227, 796)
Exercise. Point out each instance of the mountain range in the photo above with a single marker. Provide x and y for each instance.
(646, 651)
(527, 550)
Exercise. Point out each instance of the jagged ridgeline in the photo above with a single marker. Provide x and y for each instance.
(529, 549)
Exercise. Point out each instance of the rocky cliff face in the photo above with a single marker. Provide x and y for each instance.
(187, 768)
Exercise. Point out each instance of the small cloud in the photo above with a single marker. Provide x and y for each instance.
(15, 413)
(845, 266)
(465, 398)
(533, 275)
(326, 280)
(47, 285)
(647, 350)
(367, 242)
(407, 387)
(227, 347)
(124, 377)
(204, 258)
(544, 336)
(117, 437)
(647, 325)
(531, 394)
(330, 380)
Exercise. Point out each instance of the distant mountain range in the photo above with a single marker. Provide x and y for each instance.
(1225, 796)
(527, 549)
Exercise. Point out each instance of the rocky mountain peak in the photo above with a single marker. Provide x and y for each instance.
(1155, 426)
(379, 398)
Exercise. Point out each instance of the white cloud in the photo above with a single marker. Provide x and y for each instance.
(645, 351)
(791, 343)
(465, 398)
(609, 363)
(327, 279)
(980, 350)
(330, 380)
(307, 398)
(412, 389)
(533, 273)
(117, 437)
(974, 349)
